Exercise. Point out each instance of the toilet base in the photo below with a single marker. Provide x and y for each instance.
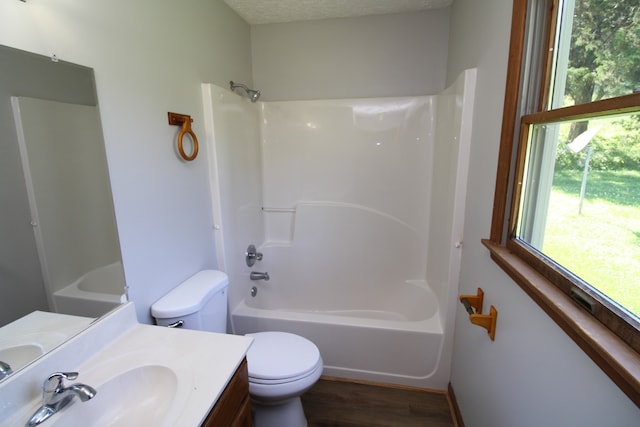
(288, 413)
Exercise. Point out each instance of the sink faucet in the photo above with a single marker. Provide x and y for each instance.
(5, 370)
(55, 396)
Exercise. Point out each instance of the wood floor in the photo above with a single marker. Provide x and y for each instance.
(338, 403)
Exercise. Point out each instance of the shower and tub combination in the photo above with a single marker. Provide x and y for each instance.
(356, 206)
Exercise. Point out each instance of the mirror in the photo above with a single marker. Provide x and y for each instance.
(59, 249)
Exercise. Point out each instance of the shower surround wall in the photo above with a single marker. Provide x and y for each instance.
(346, 193)
(357, 207)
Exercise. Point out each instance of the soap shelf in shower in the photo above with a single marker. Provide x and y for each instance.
(278, 210)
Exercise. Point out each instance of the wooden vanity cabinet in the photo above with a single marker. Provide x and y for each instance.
(233, 408)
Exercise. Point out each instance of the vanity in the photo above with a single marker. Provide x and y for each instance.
(143, 375)
(233, 408)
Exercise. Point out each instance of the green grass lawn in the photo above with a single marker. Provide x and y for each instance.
(601, 245)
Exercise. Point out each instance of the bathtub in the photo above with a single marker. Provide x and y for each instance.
(93, 294)
(373, 339)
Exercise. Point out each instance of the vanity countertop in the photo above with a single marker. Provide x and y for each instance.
(200, 365)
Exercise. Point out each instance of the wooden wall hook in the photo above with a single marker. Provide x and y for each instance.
(487, 321)
(474, 301)
(185, 121)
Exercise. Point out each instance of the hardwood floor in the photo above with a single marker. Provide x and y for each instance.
(338, 403)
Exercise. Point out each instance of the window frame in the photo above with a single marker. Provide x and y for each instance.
(607, 335)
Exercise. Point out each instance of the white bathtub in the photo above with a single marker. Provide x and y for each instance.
(394, 338)
(93, 294)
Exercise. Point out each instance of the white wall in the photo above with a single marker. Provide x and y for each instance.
(372, 56)
(150, 57)
(533, 374)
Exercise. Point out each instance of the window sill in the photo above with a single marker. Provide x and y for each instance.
(617, 359)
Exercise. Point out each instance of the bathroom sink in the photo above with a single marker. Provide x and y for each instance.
(141, 396)
(143, 375)
(19, 355)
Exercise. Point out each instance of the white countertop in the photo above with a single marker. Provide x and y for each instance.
(203, 362)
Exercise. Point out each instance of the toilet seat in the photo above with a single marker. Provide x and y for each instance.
(280, 357)
(312, 372)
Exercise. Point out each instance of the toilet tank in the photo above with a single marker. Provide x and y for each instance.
(200, 302)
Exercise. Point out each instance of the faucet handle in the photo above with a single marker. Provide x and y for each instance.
(252, 255)
(54, 382)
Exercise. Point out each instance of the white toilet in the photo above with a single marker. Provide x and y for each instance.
(281, 366)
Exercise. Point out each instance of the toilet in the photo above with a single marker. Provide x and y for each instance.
(282, 366)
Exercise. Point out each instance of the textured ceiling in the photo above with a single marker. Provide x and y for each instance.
(275, 11)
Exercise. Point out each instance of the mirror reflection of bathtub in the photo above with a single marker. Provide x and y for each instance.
(94, 293)
(75, 230)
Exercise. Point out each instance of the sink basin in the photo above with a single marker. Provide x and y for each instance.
(19, 355)
(138, 397)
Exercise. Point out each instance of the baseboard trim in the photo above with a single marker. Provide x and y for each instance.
(381, 384)
(455, 409)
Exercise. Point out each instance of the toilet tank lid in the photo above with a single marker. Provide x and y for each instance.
(191, 295)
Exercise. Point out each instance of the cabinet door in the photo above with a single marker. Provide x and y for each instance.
(234, 405)
(244, 418)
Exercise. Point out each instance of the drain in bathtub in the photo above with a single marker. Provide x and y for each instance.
(254, 291)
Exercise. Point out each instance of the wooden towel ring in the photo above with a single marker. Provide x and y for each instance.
(184, 121)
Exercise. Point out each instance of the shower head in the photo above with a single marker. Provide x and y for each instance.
(253, 95)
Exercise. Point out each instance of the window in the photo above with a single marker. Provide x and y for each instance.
(566, 221)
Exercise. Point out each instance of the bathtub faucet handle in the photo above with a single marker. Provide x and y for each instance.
(259, 276)
(252, 255)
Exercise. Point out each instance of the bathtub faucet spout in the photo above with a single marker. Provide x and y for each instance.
(259, 276)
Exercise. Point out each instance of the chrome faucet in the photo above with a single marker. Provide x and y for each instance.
(251, 256)
(259, 276)
(5, 370)
(55, 396)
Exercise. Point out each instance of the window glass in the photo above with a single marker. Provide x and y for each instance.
(597, 51)
(580, 202)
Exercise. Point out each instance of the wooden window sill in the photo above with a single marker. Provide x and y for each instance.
(617, 359)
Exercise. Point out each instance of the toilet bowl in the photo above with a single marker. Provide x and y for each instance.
(282, 366)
